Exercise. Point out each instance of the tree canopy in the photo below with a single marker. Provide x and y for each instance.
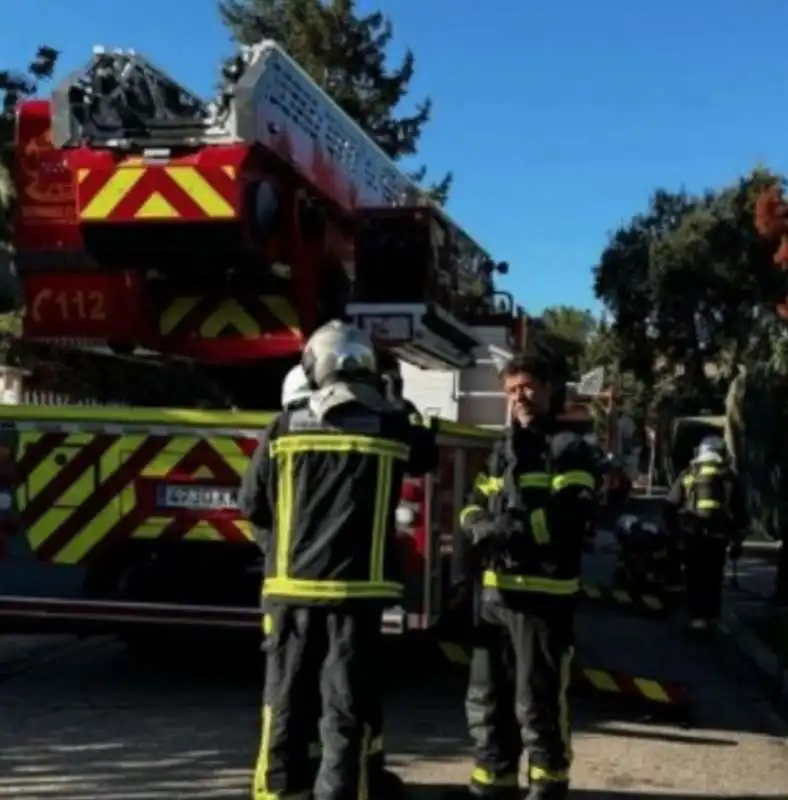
(346, 54)
(686, 281)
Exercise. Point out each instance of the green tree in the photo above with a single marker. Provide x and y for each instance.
(345, 53)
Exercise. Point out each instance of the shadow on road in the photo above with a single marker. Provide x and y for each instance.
(449, 792)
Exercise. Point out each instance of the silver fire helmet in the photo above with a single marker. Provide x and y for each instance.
(338, 351)
(295, 388)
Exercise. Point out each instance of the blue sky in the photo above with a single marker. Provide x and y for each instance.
(558, 118)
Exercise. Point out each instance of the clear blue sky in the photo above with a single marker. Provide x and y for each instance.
(558, 118)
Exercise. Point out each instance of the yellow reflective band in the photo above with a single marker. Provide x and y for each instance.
(377, 556)
(547, 775)
(564, 719)
(330, 590)
(539, 529)
(467, 511)
(573, 478)
(268, 624)
(534, 480)
(487, 485)
(523, 583)
(709, 471)
(708, 505)
(285, 486)
(260, 784)
(488, 778)
(330, 443)
(375, 746)
(688, 480)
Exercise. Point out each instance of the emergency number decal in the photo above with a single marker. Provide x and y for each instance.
(197, 498)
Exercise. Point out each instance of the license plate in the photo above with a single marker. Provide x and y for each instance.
(198, 498)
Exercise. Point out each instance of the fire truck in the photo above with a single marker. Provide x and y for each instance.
(154, 231)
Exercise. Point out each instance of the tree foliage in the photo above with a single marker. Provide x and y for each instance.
(345, 53)
(686, 281)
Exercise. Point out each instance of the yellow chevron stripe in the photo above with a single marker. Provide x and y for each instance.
(601, 680)
(283, 310)
(201, 192)
(114, 190)
(230, 313)
(175, 312)
(119, 452)
(652, 690)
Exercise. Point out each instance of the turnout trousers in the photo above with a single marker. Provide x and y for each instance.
(704, 573)
(321, 669)
(382, 784)
(517, 697)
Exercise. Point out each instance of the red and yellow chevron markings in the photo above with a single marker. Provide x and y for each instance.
(672, 693)
(81, 493)
(247, 318)
(645, 603)
(669, 693)
(135, 191)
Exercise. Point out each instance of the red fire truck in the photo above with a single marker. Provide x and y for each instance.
(153, 229)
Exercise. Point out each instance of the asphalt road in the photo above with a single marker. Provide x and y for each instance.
(83, 720)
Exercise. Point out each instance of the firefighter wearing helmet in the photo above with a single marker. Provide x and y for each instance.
(383, 784)
(706, 508)
(325, 482)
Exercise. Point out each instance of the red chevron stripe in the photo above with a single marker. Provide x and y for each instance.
(247, 445)
(203, 455)
(118, 481)
(155, 180)
(87, 457)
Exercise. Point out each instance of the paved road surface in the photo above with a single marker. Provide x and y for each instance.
(83, 720)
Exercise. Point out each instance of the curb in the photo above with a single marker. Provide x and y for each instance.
(751, 647)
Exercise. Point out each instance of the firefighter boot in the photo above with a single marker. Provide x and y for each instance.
(548, 790)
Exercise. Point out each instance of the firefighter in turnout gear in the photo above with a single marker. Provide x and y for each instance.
(383, 784)
(325, 480)
(706, 510)
(526, 519)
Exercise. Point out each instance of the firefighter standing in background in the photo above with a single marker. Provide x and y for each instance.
(526, 519)
(325, 481)
(383, 784)
(706, 510)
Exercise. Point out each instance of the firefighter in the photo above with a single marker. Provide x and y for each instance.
(706, 510)
(383, 784)
(526, 520)
(325, 481)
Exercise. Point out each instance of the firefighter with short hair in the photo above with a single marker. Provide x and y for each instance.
(325, 481)
(383, 784)
(527, 518)
(706, 510)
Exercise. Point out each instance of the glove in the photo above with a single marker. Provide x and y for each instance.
(499, 530)
(735, 551)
